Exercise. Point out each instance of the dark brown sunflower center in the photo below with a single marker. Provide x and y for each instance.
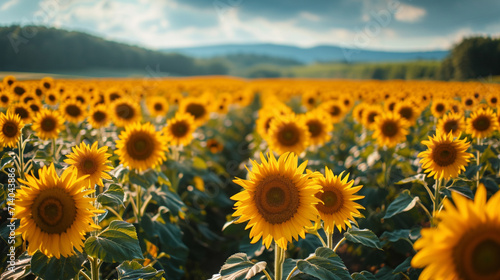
(406, 112)
(10, 129)
(4, 99)
(444, 154)
(332, 201)
(34, 107)
(455, 108)
(80, 99)
(277, 199)
(268, 123)
(73, 110)
(481, 123)
(440, 108)
(52, 98)
(486, 257)
(114, 96)
(468, 102)
(88, 166)
(158, 107)
(46, 85)
(140, 146)
(19, 91)
(476, 95)
(391, 106)
(315, 128)
(371, 117)
(310, 101)
(179, 129)
(335, 111)
(124, 111)
(54, 210)
(99, 116)
(197, 110)
(28, 99)
(48, 124)
(390, 128)
(10, 82)
(494, 100)
(289, 135)
(22, 112)
(451, 125)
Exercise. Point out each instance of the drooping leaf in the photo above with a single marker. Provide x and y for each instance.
(404, 202)
(325, 264)
(113, 196)
(363, 236)
(239, 267)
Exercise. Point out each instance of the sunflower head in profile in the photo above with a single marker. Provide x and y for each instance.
(465, 244)
(179, 130)
(370, 113)
(141, 147)
(439, 107)
(157, 106)
(197, 108)
(390, 104)
(98, 116)
(113, 94)
(263, 123)
(319, 126)
(357, 112)
(278, 200)
(482, 123)
(337, 207)
(452, 122)
(288, 134)
(10, 129)
(47, 124)
(445, 157)
(91, 161)
(23, 111)
(55, 212)
(47, 83)
(390, 129)
(125, 112)
(5, 98)
(52, 97)
(9, 80)
(72, 111)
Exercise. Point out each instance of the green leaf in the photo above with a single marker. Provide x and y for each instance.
(6, 161)
(403, 267)
(117, 243)
(132, 270)
(138, 179)
(404, 202)
(54, 269)
(363, 275)
(21, 268)
(419, 178)
(199, 163)
(363, 236)
(394, 236)
(113, 196)
(239, 267)
(325, 264)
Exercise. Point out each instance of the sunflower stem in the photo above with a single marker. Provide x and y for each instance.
(54, 154)
(436, 202)
(321, 239)
(83, 274)
(479, 142)
(329, 240)
(278, 262)
(138, 203)
(338, 244)
(267, 275)
(94, 268)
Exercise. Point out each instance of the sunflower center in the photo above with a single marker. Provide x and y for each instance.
(124, 111)
(88, 166)
(315, 128)
(46, 85)
(19, 90)
(28, 99)
(54, 210)
(391, 106)
(114, 96)
(5, 99)
(140, 146)
(451, 125)
(440, 108)
(468, 102)
(335, 111)
(22, 112)
(455, 108)
(34, 107)
(48, 124)
(10, 82)
(10, 129)
(406, 112)
(390, 128)
(179, 129)
(52, 98)
(80, 99)
(310, 100)
(277, 199)
(332, 201)
(288, 136)
(73, 110)
(158, 107)
(197, 110)
(99, 116)
(481, 123)
(486, 257)
(444, 154)
(371, 117)
(494, 100)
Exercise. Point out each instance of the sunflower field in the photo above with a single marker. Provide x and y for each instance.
(271, 179)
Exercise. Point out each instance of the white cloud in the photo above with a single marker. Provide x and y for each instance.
(8, 4)
(408, 13)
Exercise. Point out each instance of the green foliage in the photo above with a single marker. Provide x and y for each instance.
(132, 270)
(56, 269)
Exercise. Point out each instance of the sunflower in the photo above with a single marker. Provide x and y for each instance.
(337, 207)
(278, 200)
(55, 212)
(113, 94)
(390, 104)
(197, 108)
(72, 111)
(263, 123)
(390, 129)
(88, 160)
(141, 147)
(357, 112)
(125, 112)
(452, 122)
(98, 116)
(310, 99)
(5, 99)
(214, 146)
(8, 81)
(38, 91)
(10, 125)
(179, 129)
(47, 83)
(157, 106)
(47, 124)
(335, 109)
(445, 157)
(408, 111)
(465, 244)
(370, 113)
(52, 97)
(439, 107)
(493, 99)
(469, 103)
(288, 134)
(482, 123)
(319, 126)
(23, 111)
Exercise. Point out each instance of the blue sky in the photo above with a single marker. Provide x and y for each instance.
(374, 24)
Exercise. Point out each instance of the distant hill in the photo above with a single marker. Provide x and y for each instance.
(50, 50)
(309, 55)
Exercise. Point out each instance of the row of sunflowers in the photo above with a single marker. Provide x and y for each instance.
(222, 178)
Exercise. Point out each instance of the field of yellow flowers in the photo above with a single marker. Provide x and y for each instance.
(274, 179)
